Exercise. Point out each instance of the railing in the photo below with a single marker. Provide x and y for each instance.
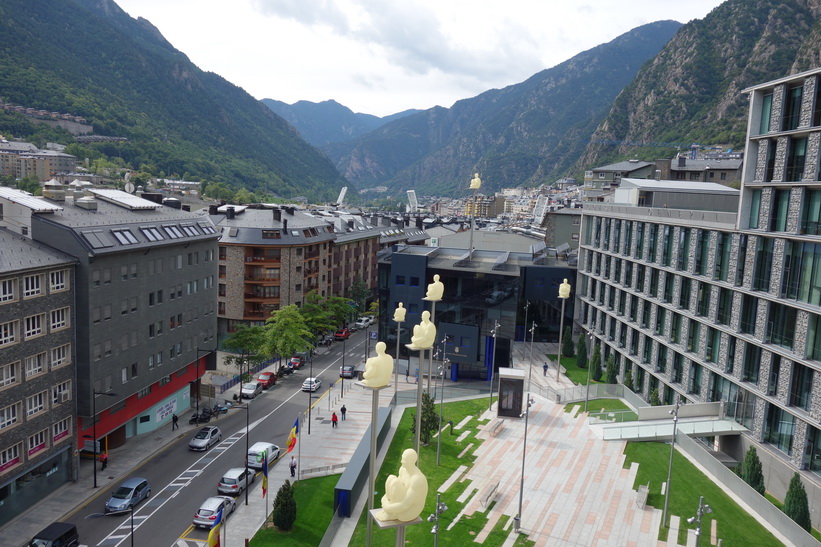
(238, 379)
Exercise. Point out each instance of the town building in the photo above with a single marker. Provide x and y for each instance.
(37, 366)
(708, 301)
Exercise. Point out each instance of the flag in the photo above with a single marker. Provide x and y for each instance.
(214, 534)
(292, 435)
(264, 473)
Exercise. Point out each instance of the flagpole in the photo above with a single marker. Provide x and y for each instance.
(298, 452)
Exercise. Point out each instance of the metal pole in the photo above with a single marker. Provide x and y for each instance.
(527, 305)
(441, 404)
(587, 391)
(530, 372)
(561, 340)
(430, 355)
(310, 395)
(492, 364)
(396, 365)
(418, 404)
(247, 433)
(372, 474)
(517, 522)
(674, 412)
(436, 535)
(94, 432)
(132, 526)
(342, 388)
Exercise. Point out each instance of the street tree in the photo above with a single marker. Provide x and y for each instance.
(611, 370)
(246, 345)
(796, 505)
(286, 332)
(597, 372)
(340, 310)
(359, 293)
(567, 343)
(751, 470)
(317, 314)
(284, 515)
(581, 352)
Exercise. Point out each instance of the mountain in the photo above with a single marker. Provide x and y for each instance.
(691, 91)
(526, 133)
(91, 59)
(326, 122)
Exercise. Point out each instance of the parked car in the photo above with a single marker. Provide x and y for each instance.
(311, 384)
(206, 515)
(495, 297)
(342, 334)
(205, 438)
(346, 371)
(129, 494)
(235, 480)
(362, 323)
(370, 318)
(298, 360)
(267, 379)
(254, 457)
(251, 389)
(56, 534)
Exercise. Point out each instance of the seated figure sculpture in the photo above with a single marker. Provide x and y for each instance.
(475, 182)
(378, 369)
(435, 290)
(424, 334)
(405, 494)
(399, 313)
(564, 289)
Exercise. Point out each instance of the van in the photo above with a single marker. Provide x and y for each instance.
(56, 534)
(254, 457)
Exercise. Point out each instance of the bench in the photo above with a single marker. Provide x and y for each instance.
(495, 428)
(641, 496)
(489, 494)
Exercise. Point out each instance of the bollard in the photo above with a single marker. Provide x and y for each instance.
(450, 423)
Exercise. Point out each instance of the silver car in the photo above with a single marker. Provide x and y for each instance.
(251, 390)
(129, 494)
(205, 438)
(235, 480)
(206, 515)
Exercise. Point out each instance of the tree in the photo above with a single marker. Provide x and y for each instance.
(339, 308)
(751, 470)
(430, 421)
(567, 343)
(654, 397)
(359, 293)
(286, 332)
(581, 352)
(796, 505)
(611, 370)
(248, 343)
(597, 371)
(284, 507)
(628, 376)
(317, 314)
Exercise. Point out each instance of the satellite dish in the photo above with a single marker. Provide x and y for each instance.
(129, 187)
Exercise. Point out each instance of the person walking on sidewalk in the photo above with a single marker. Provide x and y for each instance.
(292, 465)
(545, 368)
(103, 461)
(174, 420)
(334, 420)
(342, 411)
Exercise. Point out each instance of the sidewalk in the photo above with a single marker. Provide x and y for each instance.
(569, 473)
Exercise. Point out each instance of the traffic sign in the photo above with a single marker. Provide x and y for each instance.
(373, 334)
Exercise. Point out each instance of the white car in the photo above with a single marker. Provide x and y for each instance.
(311, 384)
(361, 323)
(206, 515)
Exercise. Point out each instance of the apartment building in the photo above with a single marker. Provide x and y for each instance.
(705, 301)
(37, 387)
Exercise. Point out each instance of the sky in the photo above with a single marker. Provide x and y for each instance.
(381, 57)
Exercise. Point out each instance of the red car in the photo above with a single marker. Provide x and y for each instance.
(342, 334)
(267, 379)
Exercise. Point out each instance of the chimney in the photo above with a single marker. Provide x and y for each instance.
(285, 226)
(658, 174)
(186, 207)
(419, 222)
(229, 213)
(88, 203)
(277, 214)
(212, 209)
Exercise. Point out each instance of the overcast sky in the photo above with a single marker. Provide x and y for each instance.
(384, 56)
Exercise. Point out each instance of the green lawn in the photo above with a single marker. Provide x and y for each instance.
(604, 407)
(572, 371)
(735, 526)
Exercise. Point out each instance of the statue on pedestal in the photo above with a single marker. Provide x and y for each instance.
(405, 495)
(475, 182)
(424, 334)
(399, 313)
(378, 369)
(564, 289)
(435, 290)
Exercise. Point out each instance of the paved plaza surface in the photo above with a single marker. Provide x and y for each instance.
(576, 490)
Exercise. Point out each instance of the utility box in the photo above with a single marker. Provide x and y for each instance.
(511, 392)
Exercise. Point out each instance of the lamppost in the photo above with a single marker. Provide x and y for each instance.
(399, 318)
(342, 384)
(564, 293)
(94, 394)
(703, 509)
(434, 517)
(311, 394)
(530, 370)
(517, 522)
(445, 361)
(527, 305)
(591, 337)
(492, 362)
(674, 412)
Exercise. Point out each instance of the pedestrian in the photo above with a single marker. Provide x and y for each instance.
(343, 410)
(292, 465)
(334, 420)
(103, 461)
(545, 368)
(174, 420)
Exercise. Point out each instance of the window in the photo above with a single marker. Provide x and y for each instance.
(742, 259)
(34, 325)
(61, 430)
(35, 364)
(752, 364)
(10, 456)
(725, 306)
(652, 236)
(779, 428)
(792, 108)
(779, 210)
(749, 310)
(730, 366)
(766, 112)
(713, 344)
(124, 375)
(810, 213)
(722, 257)
(61, 355)
(801, 387)
(57, 280)
(9, 415)
(8, 333)
(678, 365)
(683, 248)
(702, 251)
(8, 374)
(400, 279)
(125, 237)
(796, 157)
(59, 318)
(763, 264)
(675, 330)
(703, 307)
(692, 335)
(36, 403)
(7, 292)
(667, 242)
(637, 253)
(661, 315)
(781, 325)
(775, 372)
(61, 392)
(32, 285)
(694, 386)
(151, 233)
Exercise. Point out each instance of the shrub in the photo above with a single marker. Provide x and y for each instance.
(567, 343)
(796, 505)
(285, 507)
(751, 470)
(597, 371)
(581, 352)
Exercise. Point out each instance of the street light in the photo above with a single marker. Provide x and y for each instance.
(492, 362)
(564, 294)
(445, 361)
(434, 517)
(674, 412)
(530, 370)
(591, 337)
(94, 427)
(703, 509)
(247, 408)
(517, 522)
(342, 385)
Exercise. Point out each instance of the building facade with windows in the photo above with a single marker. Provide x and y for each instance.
(145, 297)
(37, 384)
(715, 303)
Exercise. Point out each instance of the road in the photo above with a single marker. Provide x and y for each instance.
(181, 479)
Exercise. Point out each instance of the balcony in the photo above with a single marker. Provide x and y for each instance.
(262, 260)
